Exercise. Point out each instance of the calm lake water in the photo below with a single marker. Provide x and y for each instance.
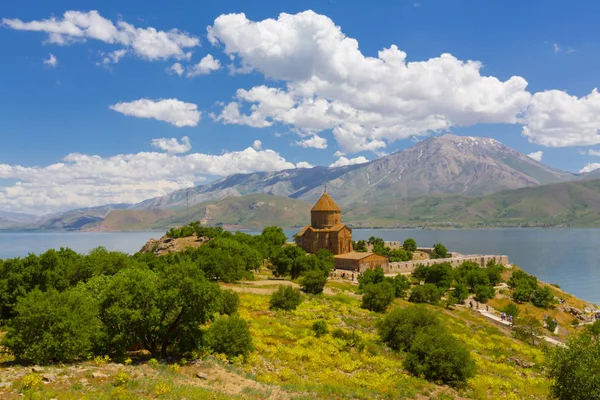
(568, 257)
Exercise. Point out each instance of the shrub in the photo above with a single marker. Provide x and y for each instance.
(30, 381)
(573, 369)
(121, 378)
(400, 326)
(512, 309)
(352, 339)
(528, 329)
(313, 282)
(551, 324)
(484, 293)
(229, 302)
(320, 328)
(460, 292)
(441, 275)
(494, 272)
(439, 251)
(52, 326)
(542, 297)
(377, 297)
(285, 298)
(398, 255)
(427, 293)
(375, 275)
(439, 357)
(229, 335)
(401, 285)
(410, 244)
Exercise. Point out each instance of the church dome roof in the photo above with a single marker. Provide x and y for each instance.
(325, 203)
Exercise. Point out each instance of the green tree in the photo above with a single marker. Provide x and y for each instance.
(441, 275)
(528, 329)
(360, 246)
(428, 293)
(401, 285)
(439, 357)
(574, 369)
(53, 327)
(512, 309)
(375, 241)
(400, 326)
(375, 275)
(378, 296)
(460, 292)
(494, 272)
(410, 244)
(274, 236)
(484, 293)
(283, 259)
(313, 282)
(231, 336)
(542, 297)
(399, 255)
(420, 273)
(285, 298)
(229, 302)
(439, 251)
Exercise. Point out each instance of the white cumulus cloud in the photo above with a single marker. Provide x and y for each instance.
(343, 161)
(303, 164)
(367, 101)
(207, 65)
(173, 111)
(81, 180)
(536, 155)
(589, 167)
(257, 145)
(176, 69)
(593, 152)
(76, 27)
(315, 142)
(172, 145)
(52, 62)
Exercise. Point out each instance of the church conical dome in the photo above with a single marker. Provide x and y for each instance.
(325, 203)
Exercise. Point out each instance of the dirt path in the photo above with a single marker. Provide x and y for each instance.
(258, 287)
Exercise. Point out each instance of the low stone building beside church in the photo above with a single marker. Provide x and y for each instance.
(326, 231)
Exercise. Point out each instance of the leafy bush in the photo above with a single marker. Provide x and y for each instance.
(512, 309)
(460, 292)
(375, 275)
(229, 335)
(399, 255)
(410, 244)
(320, 328)
(401, 285)
(528, 329)
(494, 272)
(439, 251)
(427, 293)
(285, 298)
(52, 326)
(313, 282)
(439, 357)
(229, 302)
(484, 293)
(574, 369)
(441, 275)
(360, 246)
(551, 324)
(400, 326)
(542, 297)
(378, 296)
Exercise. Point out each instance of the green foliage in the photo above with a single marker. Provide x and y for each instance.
(400, 326)
(472, 274)
(439, 251)
(226, 259)
(360, 246)
(375, 275)
(441, 275)
(313, 282)
(229, 302)
(460, 292)
(229, 335)
(410, 244)
(283, 259)
(320, 328)
(285, 298)
(428, 293)
(399, 255)
(551, 324)
(484, 293)
(376, 242)
(401, 285)
(512, 309)
(378, 296)
(528, 329)
(542, 297)
(494, 272)
(52, 327)
(594, 329)
(574, 368)
(439, 357)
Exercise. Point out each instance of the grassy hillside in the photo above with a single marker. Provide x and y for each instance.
(251, 211)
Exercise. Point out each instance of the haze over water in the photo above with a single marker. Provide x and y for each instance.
(568, 257)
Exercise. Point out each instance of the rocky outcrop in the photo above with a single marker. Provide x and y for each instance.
(577, 313)
(166, 244)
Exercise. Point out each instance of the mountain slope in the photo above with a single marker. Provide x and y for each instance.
(448, 164)
(250, 211)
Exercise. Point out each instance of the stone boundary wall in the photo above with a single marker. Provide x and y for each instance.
(406, 267)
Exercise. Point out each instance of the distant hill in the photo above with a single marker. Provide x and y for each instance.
(251, 211)
(448, 164)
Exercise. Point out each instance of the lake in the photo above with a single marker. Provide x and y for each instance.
(568, 257)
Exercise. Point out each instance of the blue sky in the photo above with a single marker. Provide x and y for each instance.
(95, 101)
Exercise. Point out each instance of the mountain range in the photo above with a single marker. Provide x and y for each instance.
(434, 182)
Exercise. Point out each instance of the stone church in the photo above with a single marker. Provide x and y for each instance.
(326, 231)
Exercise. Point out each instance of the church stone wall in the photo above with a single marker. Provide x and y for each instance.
(407, 267)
